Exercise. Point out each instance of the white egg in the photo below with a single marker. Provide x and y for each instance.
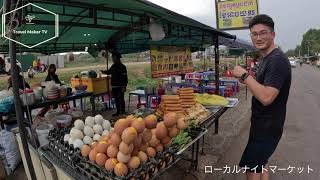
(89, 121)
(105, 132)
(66, 137)
(70, 141)
(78, 143)
(78, 124)
(106, 125)
(98, 119)
(88, 131)
(97, 129)
(76, 134)
(96, 137)
(87, 140)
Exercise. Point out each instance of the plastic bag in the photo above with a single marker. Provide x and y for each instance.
(11, 150)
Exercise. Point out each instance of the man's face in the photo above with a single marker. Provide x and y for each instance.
(114, 59)
(262, 36)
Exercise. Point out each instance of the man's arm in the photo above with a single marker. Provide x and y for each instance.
(108, 72)
(265, 94)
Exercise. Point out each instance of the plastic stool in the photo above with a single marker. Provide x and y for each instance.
(228, 92)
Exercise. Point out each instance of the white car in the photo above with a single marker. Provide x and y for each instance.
(293, 63)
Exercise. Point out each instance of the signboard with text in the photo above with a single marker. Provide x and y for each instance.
(235, 14)
(170, 60)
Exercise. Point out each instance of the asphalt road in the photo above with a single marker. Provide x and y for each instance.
(299, 147)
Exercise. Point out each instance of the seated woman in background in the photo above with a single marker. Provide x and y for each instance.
(52, 76)
(21, 81)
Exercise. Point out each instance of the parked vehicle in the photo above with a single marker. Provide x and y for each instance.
(293, 63)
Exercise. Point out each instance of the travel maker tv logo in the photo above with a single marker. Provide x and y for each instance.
(30, 31)
(29, 18)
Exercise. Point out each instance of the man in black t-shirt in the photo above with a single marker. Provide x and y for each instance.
(270, 92)
(119, 81)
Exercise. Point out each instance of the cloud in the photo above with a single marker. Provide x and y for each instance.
(292, 17)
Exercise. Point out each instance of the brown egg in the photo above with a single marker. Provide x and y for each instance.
(144, 147)
(120, 126)
(159, 148)
(112, 151)
(138, 141)
(173, 132)
(146, 135)
(143, 156)
(130, 118)
(161, 131)
(92, 155)
(104, 138)
(170, 119)
(110, 134)
(115, 139)
(125, 148)
(150, 121)
(101, 159)
(121, 169)
(102, 147)
(124, 158)
(94, 145)
(181, 124)
(165, 140)
(138, 124)
(134, 162)
(129, 134)
(111, 163)
(135, 151)
(154, 141)
(151, 152)
(85, 150)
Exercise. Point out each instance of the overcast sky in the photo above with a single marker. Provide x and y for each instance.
(292, 17)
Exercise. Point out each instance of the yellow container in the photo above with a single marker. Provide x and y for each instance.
(97, 85)
(75, 82)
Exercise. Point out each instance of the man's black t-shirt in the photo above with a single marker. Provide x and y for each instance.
(119, 77)
(267, 121)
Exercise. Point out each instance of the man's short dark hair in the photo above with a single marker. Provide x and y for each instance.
(116, 54)
(262, 19)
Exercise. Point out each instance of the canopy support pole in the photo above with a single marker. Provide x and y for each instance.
(216, 63)
(15, 88)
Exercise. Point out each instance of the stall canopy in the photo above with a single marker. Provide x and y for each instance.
(113, 24)
(236, 44)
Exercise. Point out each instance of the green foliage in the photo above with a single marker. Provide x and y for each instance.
(310, 44)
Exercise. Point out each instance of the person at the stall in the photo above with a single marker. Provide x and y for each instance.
(119, 81)
(52, 76)
(270, 92)
(21, 81)
(31, 72)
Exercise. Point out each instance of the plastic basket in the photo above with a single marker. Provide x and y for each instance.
(6, 104)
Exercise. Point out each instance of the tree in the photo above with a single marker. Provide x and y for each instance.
(291, 53)
(310, 44)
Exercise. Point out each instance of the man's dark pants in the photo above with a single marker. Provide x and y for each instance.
(118, 94)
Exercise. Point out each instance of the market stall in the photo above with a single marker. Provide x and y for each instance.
(139, 146)
(125, 27)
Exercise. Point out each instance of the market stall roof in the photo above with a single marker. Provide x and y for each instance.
(237, 43)
(113, 24)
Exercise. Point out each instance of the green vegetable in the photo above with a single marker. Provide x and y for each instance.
(181, 140)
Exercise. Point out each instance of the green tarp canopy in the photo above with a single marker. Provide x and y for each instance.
(109, 24)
